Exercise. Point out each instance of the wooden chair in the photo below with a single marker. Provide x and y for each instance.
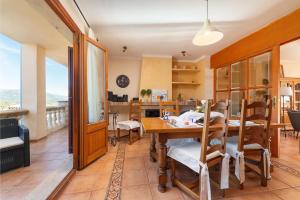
(253, 141)
(169, 106)
(199, 156)
(133, 124)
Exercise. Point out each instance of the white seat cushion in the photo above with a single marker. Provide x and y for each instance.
(188, 154)
(10, 142)
(232, 144)
(127, 125)
(172, 142)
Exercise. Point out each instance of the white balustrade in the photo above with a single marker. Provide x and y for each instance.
(56, 117)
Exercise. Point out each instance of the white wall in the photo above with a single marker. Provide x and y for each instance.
(74, 13)
(34, 90)
(291, 68)
(208, 80)
(128, 67)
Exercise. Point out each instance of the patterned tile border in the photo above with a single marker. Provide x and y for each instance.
(115, 184)
(286, 168)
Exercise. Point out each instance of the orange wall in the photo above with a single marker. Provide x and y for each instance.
(278, 32)
(156, 73)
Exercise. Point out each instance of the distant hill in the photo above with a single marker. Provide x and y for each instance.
(12, 97)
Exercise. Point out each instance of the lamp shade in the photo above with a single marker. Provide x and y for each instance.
(207, 35)
(286, 91)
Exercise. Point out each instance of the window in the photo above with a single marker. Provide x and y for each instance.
(10, 73)
(249, 78)
(56, 82)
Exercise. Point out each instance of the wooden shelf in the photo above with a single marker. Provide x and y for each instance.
(185, 70)
(184, 83)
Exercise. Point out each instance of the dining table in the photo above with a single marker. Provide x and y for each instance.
(161, 130)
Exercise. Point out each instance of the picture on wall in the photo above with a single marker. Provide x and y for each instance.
(159, 94)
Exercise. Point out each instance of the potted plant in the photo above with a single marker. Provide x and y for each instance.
(143, 93)
(148, 92)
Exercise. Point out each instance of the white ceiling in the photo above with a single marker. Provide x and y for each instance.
(23, 22)
(166, 27)
(290, 51)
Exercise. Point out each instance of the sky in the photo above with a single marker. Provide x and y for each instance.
(10, 58)
(10, 69)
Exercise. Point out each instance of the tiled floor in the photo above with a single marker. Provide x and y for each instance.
(46, 156)
(140, 178)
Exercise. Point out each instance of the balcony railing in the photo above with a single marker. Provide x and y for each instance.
(57, 117)
(13, 113)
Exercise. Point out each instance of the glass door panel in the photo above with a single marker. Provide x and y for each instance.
(297, 96)
(94, 134)
(258, 95)
(221, 96)
(95, 83)
(223, 78)
(259, 70)
(236, 102)
(238, 75)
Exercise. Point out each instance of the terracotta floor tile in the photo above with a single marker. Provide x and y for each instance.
(171, 193)
(136, 193)
(76, 196)
(257, 196)
(108, 156)
(251, 185)
(98, 194)
(286, 177)
(16, 193)
(275, 184)
(97, 167)
(134, 177)
(287, 194)
(138, 147)
(133, 154)
(102, 181)
(148, 163)
(152, 175)
(139, 172)
(81, 184)
(134, 163)
(36, 178)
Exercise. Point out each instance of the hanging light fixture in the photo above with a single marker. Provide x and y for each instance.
(208, 34)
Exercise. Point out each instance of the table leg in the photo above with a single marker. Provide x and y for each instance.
(275, 142)
(162, 159)
(153, 148)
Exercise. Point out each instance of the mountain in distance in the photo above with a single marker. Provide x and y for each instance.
(11, 97)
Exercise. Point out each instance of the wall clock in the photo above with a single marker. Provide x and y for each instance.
(122, 81)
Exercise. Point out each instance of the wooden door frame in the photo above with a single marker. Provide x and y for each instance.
(59, 9)
(61, 12)
(84, 117)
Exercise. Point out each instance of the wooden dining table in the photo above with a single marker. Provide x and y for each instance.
(160, 131)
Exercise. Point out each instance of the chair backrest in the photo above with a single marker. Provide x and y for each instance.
(205, 131)
(220, 135)
(135, 110)
(169, 106)
(9, 128)
(255, 134)
(294, 119)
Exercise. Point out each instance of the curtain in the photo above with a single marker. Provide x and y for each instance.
(96, 83)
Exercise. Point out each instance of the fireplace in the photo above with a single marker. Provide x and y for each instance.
(152, 113)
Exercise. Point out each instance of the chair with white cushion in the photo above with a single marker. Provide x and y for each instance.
(199, 156)
(133, 124)
(14, 145)
(253, 141)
